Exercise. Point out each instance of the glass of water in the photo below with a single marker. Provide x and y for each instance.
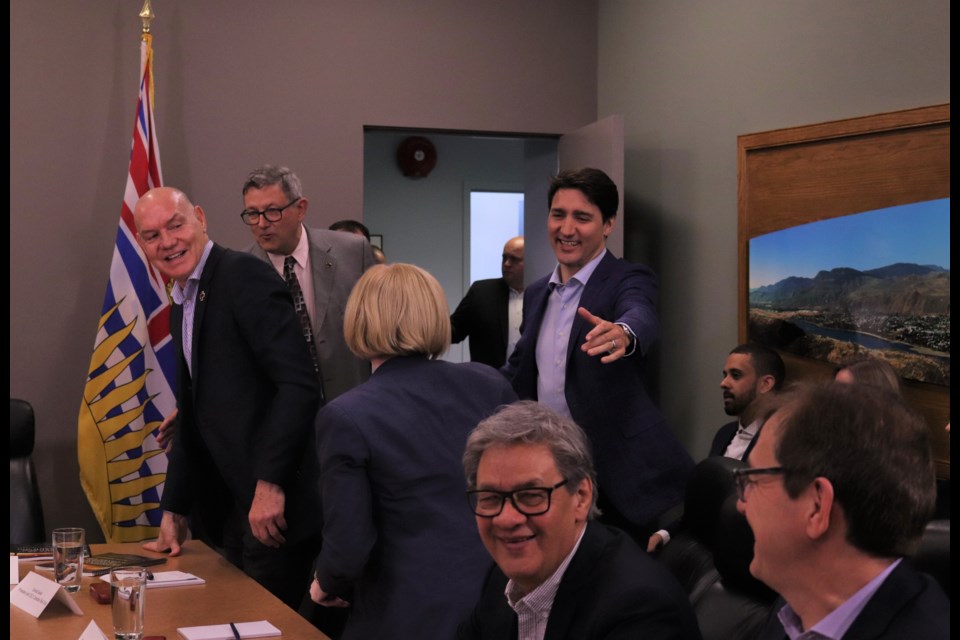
(128, 585)
(68, 547)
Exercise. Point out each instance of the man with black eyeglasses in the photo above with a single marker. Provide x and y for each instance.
(324, 265)
(558, 573)
(839, 489)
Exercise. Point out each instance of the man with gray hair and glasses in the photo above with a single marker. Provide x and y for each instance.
(320, 267)
(558, 573)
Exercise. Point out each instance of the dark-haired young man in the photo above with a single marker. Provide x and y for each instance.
(587, 329)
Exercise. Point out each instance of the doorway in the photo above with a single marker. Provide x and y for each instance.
(427, 221)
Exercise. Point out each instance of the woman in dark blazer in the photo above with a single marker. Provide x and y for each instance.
(400, 545)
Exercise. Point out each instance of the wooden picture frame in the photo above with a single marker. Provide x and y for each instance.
(798, 175)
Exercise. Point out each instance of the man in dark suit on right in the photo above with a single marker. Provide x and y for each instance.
(587, 329)
(490, 313)
(559, 574)
(839, 488)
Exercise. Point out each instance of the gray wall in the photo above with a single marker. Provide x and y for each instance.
(689, 77)
(242, 82)
(238, 83)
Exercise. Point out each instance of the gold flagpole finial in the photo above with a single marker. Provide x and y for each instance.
(146, 15)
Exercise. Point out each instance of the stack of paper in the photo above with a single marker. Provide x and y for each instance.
(169, 579)
(261, 629)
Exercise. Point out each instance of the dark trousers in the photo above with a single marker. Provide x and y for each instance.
(286, 572)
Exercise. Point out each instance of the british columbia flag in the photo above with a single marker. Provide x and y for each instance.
(130, 383)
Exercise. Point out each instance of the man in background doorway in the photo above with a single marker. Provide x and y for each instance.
(491, 312)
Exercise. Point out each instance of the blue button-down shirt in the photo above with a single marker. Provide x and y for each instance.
(554, 337)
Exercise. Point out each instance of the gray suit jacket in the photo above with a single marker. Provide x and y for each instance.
(337, 260)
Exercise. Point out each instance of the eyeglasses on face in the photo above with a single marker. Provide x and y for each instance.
(743, 480)
(272, 214)
(530, 501)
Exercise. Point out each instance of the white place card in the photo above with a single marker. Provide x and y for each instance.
(35, 592)
(14, 569)
(93, 632)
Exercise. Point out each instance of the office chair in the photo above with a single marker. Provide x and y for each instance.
(26, 510)
(711, 553)
(933, 553)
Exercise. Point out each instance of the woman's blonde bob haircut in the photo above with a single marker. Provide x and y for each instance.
(397, 310)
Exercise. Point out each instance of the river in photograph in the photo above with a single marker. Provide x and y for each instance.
(864, 339)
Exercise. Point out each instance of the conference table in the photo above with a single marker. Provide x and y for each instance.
(228, 596)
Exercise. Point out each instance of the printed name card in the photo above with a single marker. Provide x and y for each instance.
(93, 632)
(35, 592)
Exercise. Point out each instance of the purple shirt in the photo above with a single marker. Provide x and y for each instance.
(838, 621)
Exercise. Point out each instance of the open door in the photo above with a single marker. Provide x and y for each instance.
(599, 145)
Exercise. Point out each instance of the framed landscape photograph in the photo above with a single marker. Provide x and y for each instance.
(843, 250)
(873, 284)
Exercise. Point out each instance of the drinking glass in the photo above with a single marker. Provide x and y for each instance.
(68, 546)
(128, 586)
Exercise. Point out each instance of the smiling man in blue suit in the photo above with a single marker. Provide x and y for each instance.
(587, 328)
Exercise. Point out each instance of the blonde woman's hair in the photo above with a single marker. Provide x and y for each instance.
(397, 310)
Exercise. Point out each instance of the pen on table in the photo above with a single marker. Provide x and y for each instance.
(236, 634)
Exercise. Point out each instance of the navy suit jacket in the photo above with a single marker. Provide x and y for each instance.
(908, 604)
(337, 260)
(611, 589)
(642, 468)
(482, 317)
(399, 540)
(246, 413)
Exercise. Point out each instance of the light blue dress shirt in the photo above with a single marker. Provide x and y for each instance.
(554, 337)
(186, 296)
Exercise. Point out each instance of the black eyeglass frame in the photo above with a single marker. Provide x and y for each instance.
(272, 214)
(504, 495)
(742, 479)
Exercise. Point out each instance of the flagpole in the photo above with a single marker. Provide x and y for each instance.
(146, 15)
